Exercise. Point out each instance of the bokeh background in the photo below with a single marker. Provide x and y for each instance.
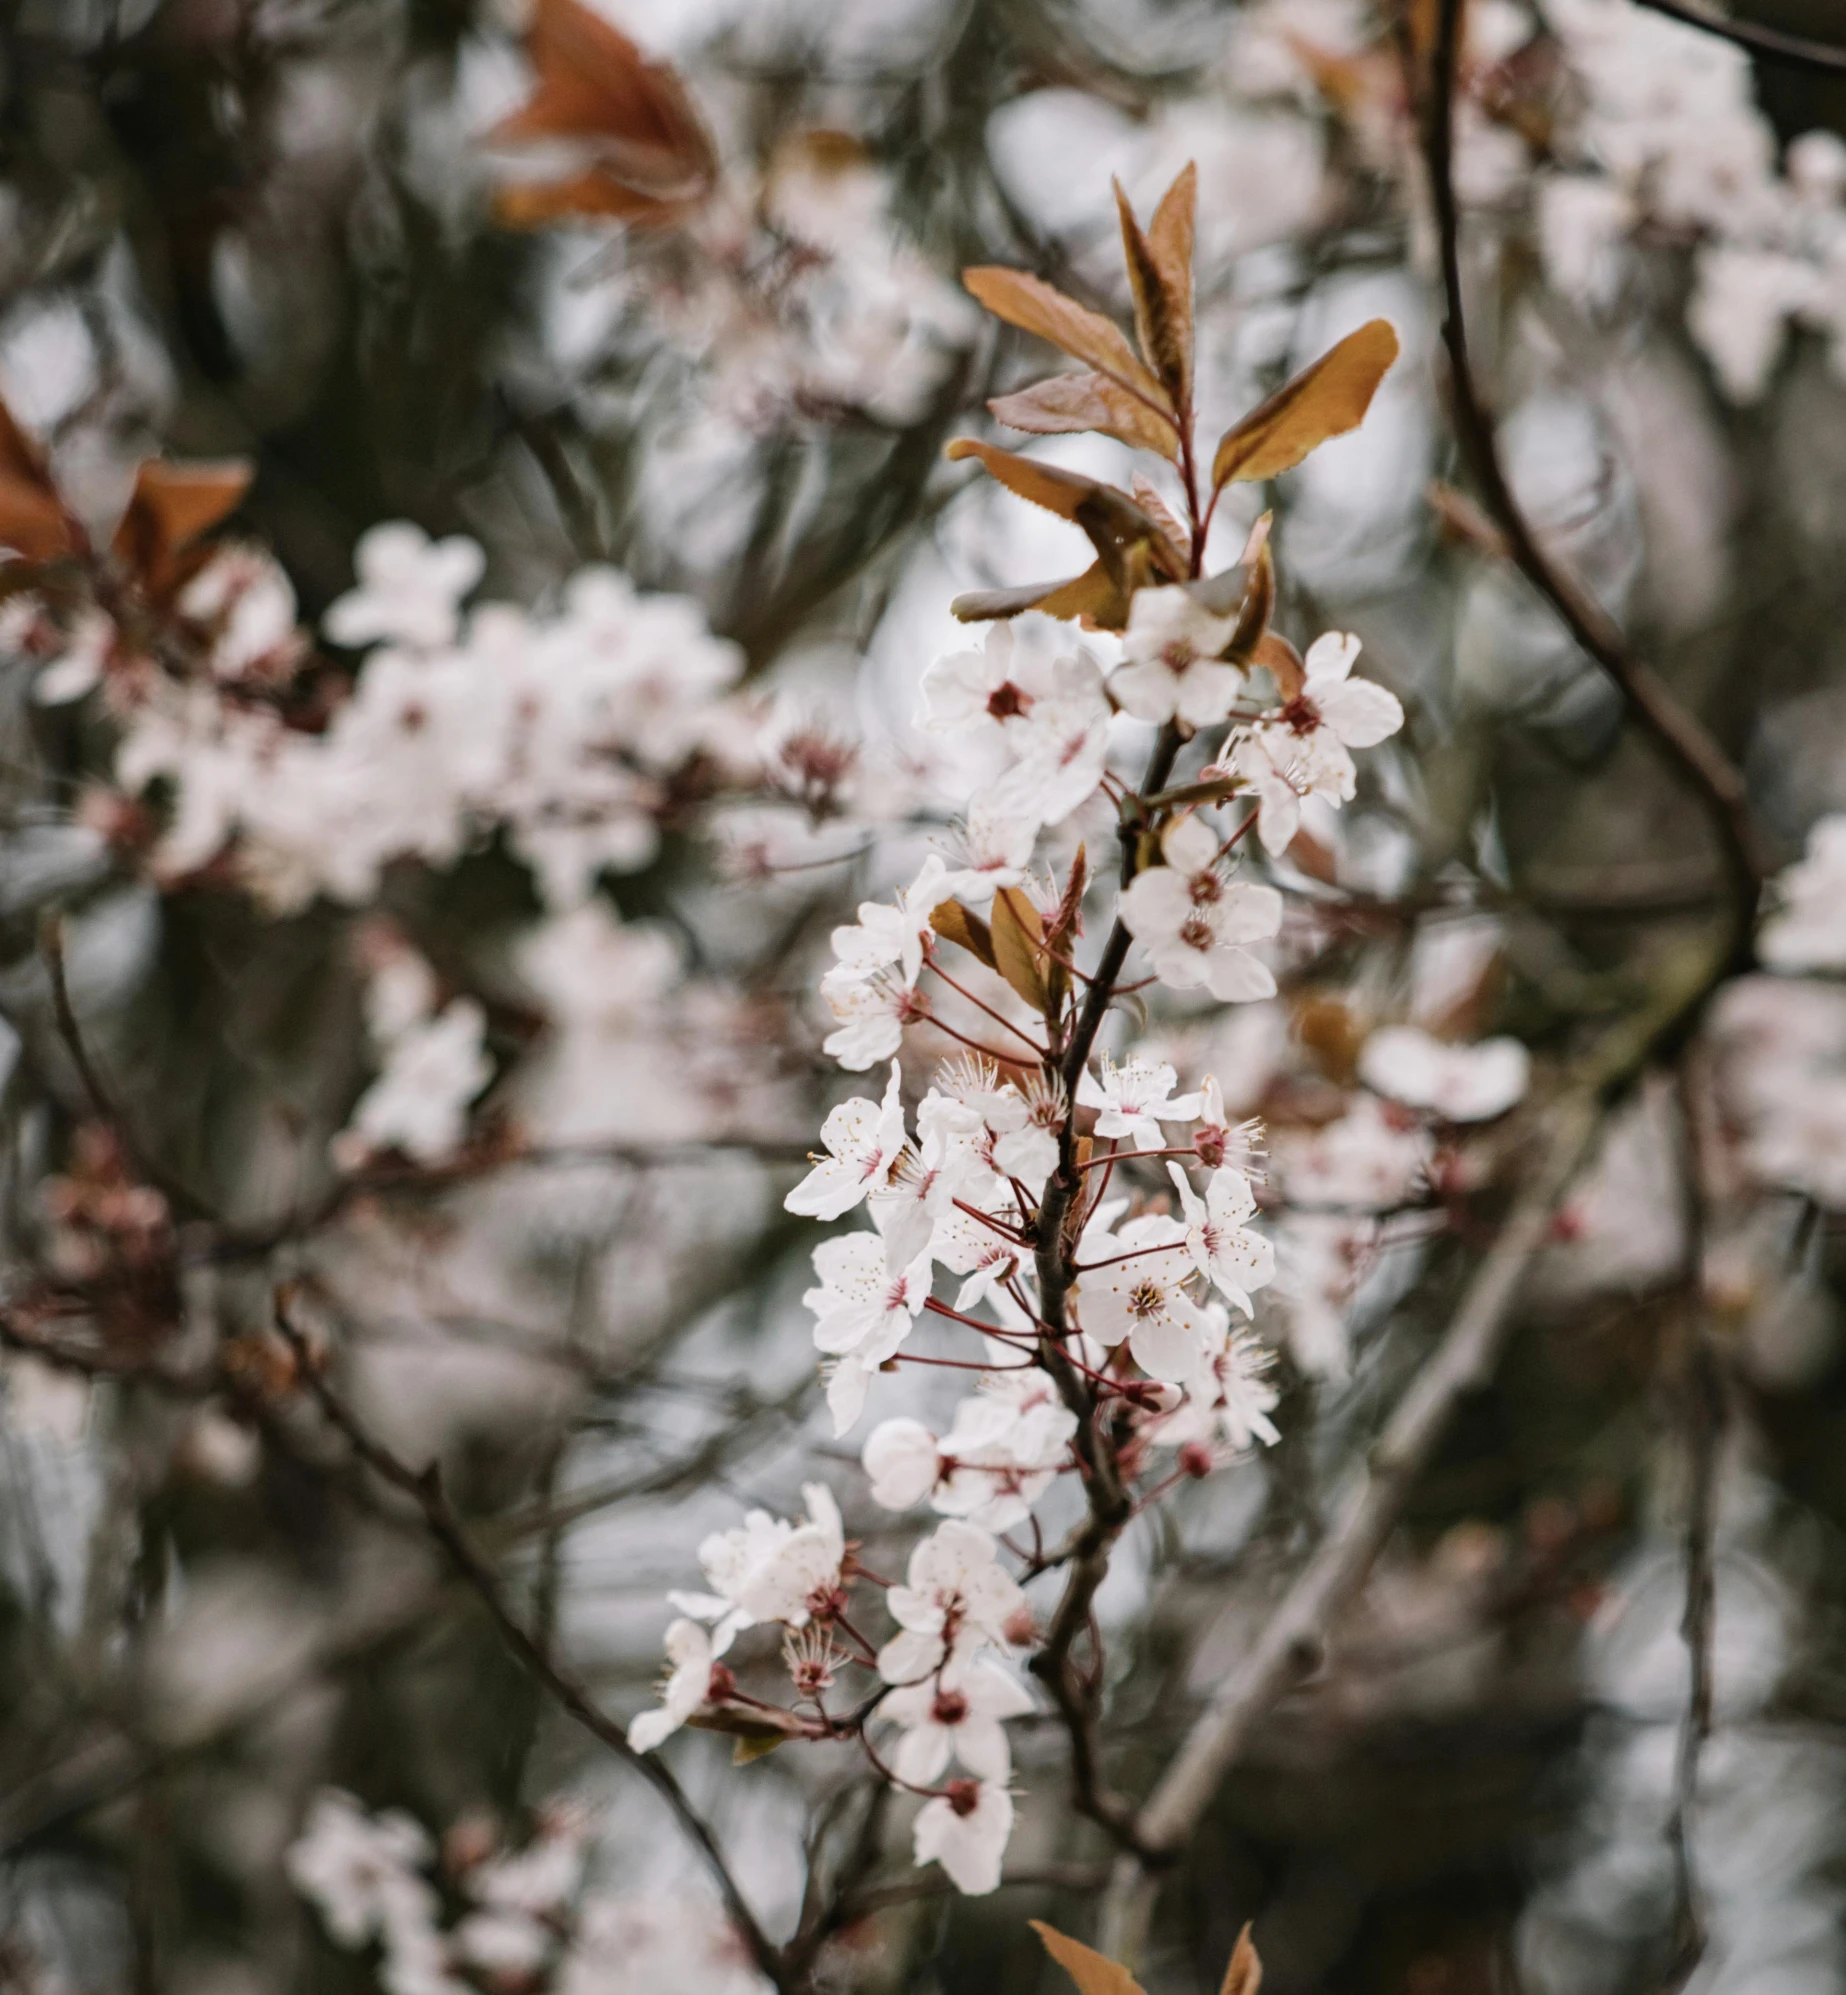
(278, 230)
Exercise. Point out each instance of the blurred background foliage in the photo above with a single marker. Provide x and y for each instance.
(263, 228)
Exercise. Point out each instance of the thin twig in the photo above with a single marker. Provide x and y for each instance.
(1774, 43)
(1680, 736)
(446, 1529)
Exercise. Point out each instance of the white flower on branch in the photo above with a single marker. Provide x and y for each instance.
(1173, 669)
(956, 1599)
(1007, 1442)
(1229, 1395)
(689, 1650)
(960, 1714)
(1304, 750)
(1194, 923)
(1808, 929)
(872, 1009)
(966, 1831)
(1224, 1248)
(1141, 1296)
(1457, 1083)
(863, 1140)
(767, 1569)
(893, 933)
(864, 1306)
(1135, 1099)
(967, 1246)
(410, 588)
(1059, 746)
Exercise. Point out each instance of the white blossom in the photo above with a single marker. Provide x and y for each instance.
(1194, 923)
(959, 1713)
(360, 1870)
(863, 1305)
(1223, 1247)
(956, 1599)
(768, 1569)
(1807, 931)
(409, 588)
(1135, 1099)
(1141, 1295)
(689, 1650)
(966, 1831)
(863, 1141)
(419, 1104)
(1458, 1083)
(1173, 669)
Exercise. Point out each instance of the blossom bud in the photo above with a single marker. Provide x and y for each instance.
(1020, 1628)
(1195, 1459)
(722, 1687)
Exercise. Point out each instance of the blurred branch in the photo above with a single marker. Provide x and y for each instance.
(1774, 43)
(1680, 736)
(451, 1536)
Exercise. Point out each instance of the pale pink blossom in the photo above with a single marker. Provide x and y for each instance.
(1135, 1099)
(1223, 1246)
(1173, 670)
(689, 1650)
(864, 1140)
(1194, 923)
(966, 1831)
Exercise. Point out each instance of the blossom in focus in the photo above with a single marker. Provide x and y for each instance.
(1305, 749)
(862, 1304)
(958, 1713)
(689, 1650)
(956, 1598)
(767, 1569)
(894, 932)
(1173, 669)
(1194, 923)
(864, 1140)
(966, 1831)
(1223, 1247)
(410, 588)
(1135, 1099)
(1457, 1083)
(1141, 1296)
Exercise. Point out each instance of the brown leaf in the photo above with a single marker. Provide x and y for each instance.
(33, 522)
(1244, 1976)
(172, 506)
(1091, 597)
(1322, 401)
(650, 157)
(954, 923)
(1018, 940)
(1169, 236)
(1094, 1973)
(1115, 524)
(1163, 306)
(1282, 661)
(1146, 495)
(1257, 607)
(1036, 307)
(1070, 402)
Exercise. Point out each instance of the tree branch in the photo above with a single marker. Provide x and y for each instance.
(1678, 734)
(1771, 42)
(446, 1528)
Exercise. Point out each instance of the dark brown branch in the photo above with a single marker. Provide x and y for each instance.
(1680, 737)
(1774, 43)
(451, 1536)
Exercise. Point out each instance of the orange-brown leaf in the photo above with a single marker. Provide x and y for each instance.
(1094, 1973)
(1146, 495)
(1163, 308)
(1257, 607)
(632, 115)
(172, 505)
(1283, 662)
(33, 521)
(954, 923)
(1322, 401)
(1018, 944)
(1244, 1976)
(1169, 236)
(531, 204)
(1034, 306)
(1069, 402)
(1115, 524)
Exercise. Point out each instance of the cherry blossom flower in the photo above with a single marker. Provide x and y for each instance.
(689, 1650)
(903, 1460)
(1808, 929)
(1142, 1297)
(409, 588)
(1229, 1396)
(959, 1713)
(1173, 669)
(873, 1011)
(893, 933)
(419, 1104)
(864, 1305)
(925, 1181)
(863, 1140)
(79, 668)
(1223, 1247)
(996, 1460)
(1059, 744)
(1458, 1083)
(956, 1599)
(1373, 1157)
(976, 689)
(965, 1246)
(768, 1569)
(1217, 1139)
(996, 848)
(1305, 749)
(1194, 923)
(1135, 1099)
(966, 1831)
(360, 1870)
